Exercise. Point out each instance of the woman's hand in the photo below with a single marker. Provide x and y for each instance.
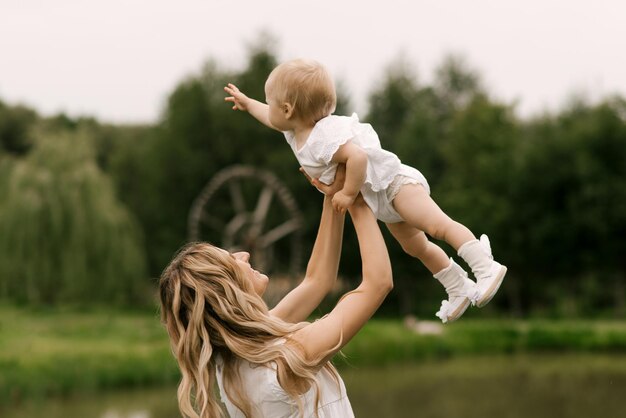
(330, 189)
(240, 101)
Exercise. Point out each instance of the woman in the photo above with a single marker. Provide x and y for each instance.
(269, 363)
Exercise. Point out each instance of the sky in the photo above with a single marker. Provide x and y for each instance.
(118, 60)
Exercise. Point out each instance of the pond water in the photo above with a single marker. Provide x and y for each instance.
(520, 386)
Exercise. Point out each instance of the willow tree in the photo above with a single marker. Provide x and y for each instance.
(64, 236)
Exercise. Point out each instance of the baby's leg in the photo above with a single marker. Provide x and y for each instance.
(461, 291)
(415, 243)
(418, 209)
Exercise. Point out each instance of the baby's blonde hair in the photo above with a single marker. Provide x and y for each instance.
(307, 86)
(209, 308)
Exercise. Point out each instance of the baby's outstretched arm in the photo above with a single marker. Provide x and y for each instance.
(355, 160)
(240, 101)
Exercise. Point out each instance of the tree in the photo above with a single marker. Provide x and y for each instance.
(64, 237)
(15, 124)
(393, 102)
(478, 187)
(596, 201)
(456, 84)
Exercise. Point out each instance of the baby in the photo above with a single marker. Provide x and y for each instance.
(301, 98)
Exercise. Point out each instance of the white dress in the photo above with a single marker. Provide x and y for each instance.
(269, 400)
(383, 166)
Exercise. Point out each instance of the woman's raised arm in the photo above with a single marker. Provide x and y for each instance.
(323, 338)
(321, 272)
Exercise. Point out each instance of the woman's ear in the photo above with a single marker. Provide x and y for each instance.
(287, 109)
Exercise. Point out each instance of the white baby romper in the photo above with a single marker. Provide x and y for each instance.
(382, 167)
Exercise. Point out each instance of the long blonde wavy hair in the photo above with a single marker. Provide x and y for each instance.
(209, 308)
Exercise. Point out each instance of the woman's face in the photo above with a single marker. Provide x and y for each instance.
(259, 281)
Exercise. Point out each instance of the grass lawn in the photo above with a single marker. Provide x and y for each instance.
(58, 352)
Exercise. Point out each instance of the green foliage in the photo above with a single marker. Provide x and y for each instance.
(570, 199)
(15, 123)
(392, 103)
(456, 83)
(477, 187)
(65, 236)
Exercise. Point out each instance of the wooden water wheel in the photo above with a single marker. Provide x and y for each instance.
(244, 208)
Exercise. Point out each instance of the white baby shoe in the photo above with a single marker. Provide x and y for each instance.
(461, 292)
(489, 274)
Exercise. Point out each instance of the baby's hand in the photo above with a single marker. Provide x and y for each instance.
(239, 100)
(342, 201)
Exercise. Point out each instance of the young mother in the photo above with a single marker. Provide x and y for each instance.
(269, 363)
